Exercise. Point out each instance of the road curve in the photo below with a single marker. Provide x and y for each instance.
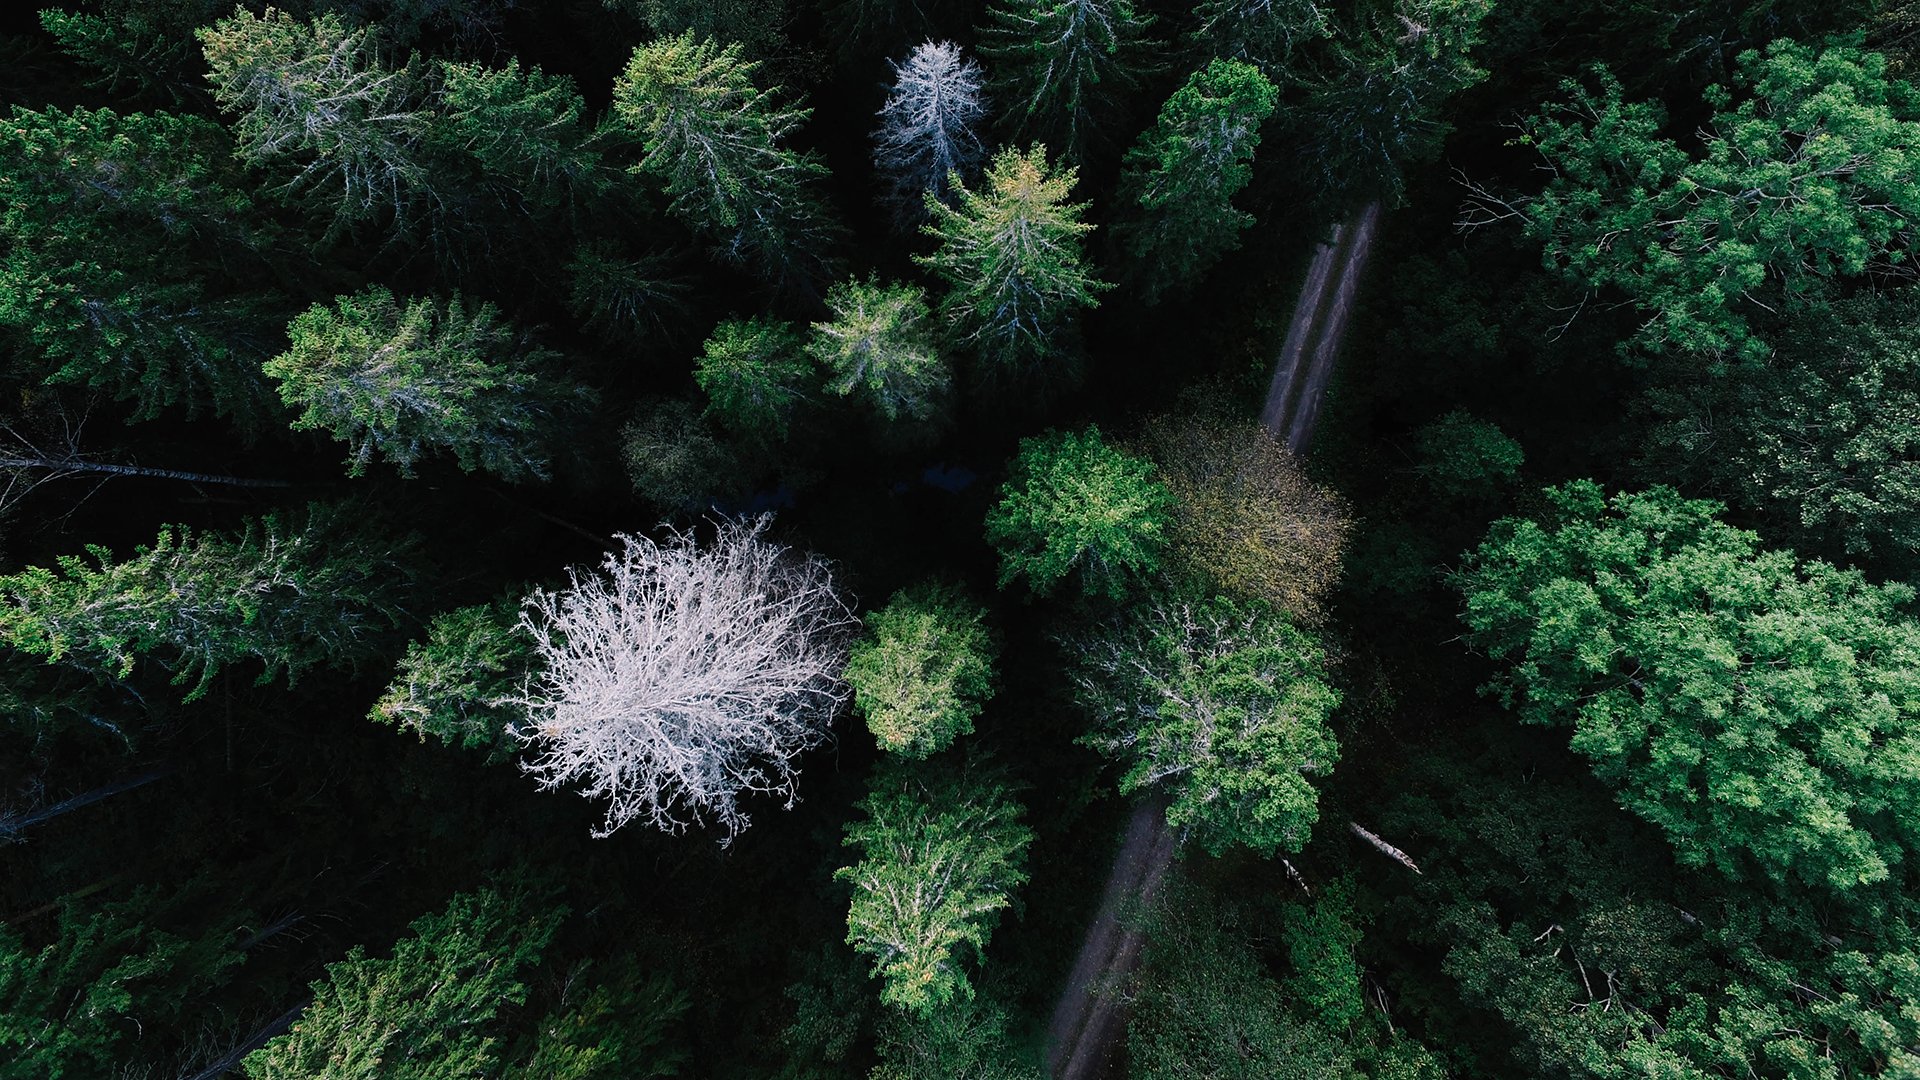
(1090, 1017)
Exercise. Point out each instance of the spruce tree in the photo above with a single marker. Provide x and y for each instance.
(1066, 65)
(756, 376)
(1077, 507)
(459, 685)
(927, 127)
(878, 348)
(404, 382)
(1010, 254)
(923, 670)
(1184, 172)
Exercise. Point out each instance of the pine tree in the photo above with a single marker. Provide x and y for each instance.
(424, 1012)
(755, 375)
(1010, 255)
(939, 859)
(1076, 507)
(292, 592)
(927, 127)
(1067, 64)
(719, 144)
(923, 670)
(131, 248)
(878, 347)
(401, 383)
(1182, 175)
(459, 685)
(314, 102)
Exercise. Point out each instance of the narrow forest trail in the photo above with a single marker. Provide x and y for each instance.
(1090, 1016)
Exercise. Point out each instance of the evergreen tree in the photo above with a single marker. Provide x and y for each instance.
(138, 47)
(291, 592)
(615, 1023)
(1806, 175)
(927, 127)
(1223, 705)
(424, 1012)
(1759, 709)
(757, 26)
(524, 133)
(939, 859)
(459, 685)
(1066, 64)
(1183, 173)
(1010, 256)
(129, 245)
(1075, 506)
(719, 144)
(755, 375)
(313, 102)
(923, 670)
(878, 346)
(1264, 33)
(402, 383)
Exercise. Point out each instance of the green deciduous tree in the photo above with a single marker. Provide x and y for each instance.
(422, 1013)
(1182, 175)
(1010, 254)
(403, 382)
(459, 684)
(923, 670)
(1759, 709)
(755, 374)
(1224, 706)
(129, 245)
(1075, 506)
(720, 144)
(314, 102)
(878, 348)
(1807, 174)
(1065, 65)
(291, 592)
(939, 860)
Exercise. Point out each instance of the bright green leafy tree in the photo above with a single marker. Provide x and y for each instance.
(401, 382)
(129, 244)
(940, 858)
(292, 592)
(719, 144)
(1010, 254)
(923, 670)
(1184, 172)
(424, 1012)
(1806, 175)
(1076, 506)
(1760, 709)
(879, 348)
(1225, 707)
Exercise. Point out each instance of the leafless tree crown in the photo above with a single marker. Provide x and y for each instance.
(680, 677)
(927, 125)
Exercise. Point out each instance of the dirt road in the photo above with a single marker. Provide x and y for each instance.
(1085, 1033)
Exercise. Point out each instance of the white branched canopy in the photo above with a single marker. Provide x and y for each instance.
(927, 125)
(681, 677)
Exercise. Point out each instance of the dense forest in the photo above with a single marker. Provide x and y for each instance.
(606, 539)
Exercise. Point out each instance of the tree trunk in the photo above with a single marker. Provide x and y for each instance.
(13, 826)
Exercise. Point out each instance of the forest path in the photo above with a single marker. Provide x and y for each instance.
(1090, 1016)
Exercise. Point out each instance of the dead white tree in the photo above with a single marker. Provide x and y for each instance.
(927, 126)
(681, 677)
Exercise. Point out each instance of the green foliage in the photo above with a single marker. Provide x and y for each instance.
(756, 376)
(1822, 438)
(138, 47)
(674, 459)
(1074, 506)
(1264, 33)
(964, 1040)
(1224, 706)
(128, 244)
(1184, 171)
(458, 684)
(422, 1013)
(524, 132)
(923, 670)
(940, 856)
(1757, 708)
(1805, 176)
(1321, 937)
(314, 102)
(757, 26)
(879, 348)
(612, 1026)
(1066, 63)
(291, 592)
(405, 382)
(623, 300)
(1010, 256)
(68, 1006)
(719, 144)
(1465, 458)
